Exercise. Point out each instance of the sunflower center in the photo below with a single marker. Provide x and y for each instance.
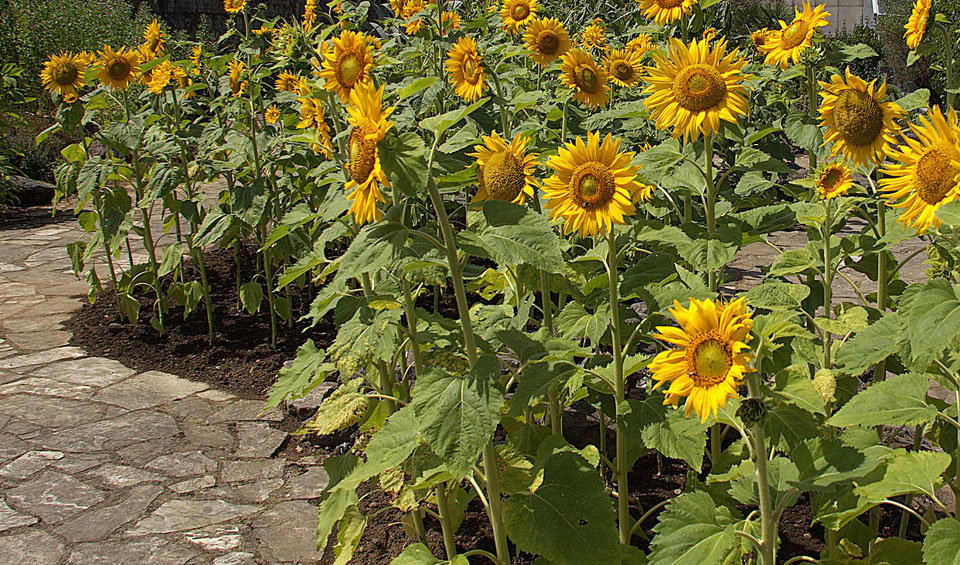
(623, 71)
(65, 74)
(548, 42)
(592, 185)
(503, 176)
(470, 70)
(711, 362)
(935, 175)
(520, 11)
(363, 155)
(699, 87)
(349, 67)
(669, 3)
(795, 34)
(858, 116)
(119, 70)
(587, 80)
(830, 180)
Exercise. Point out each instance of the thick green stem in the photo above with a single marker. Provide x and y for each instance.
(148, 236)
(948, 63)
(710, 203)
(623, 490)
(449, 545)
(827, 284)
(556, 413)
(812, 98)
(504, 114)
(411, 313)
(268, 269)
(768, 517)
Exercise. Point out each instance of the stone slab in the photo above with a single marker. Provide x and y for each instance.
(90, 371)
(10, 518)
(40, 357)
(287, 532)
(243, 471)
(152, 550)
(35, 547)
(193, 485)
(119, 476)
(39, 341)
(242, 410)
(259, 491)
(182, 515)
(35, 322)
(124, 430)
(208, 436)
(258, 439)
(54, 497)
(99, 523)
(29, 463)
(54, 412)
(11, 446)
(47, 387)
(221, 537)
(147, 390)
(308, 485)
(235, 558)
(183, 464)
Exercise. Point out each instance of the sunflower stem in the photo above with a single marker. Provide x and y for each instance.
(623, 491)
(948, 63)
(812, 98)
(711, 203)
(827, 283)
(768, 517)
(504, 115)
(446, 525)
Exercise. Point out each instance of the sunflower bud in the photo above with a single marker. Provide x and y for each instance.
(826, 384)
(752, 411)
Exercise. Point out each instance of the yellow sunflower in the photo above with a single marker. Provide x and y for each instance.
(518, 13)
(594, 35)
(309, 14)
(789, 41)
(183, 81)
(587, 79)
(859, 123)
(624, 67)
(118, 68)
(711, 357)
(594, 185)
(411, 9)
(313, 116)
(694, 88)
(63, 74)
(450, 21)
(196, 59)
(505, 172)
(834, 180)
(160, 77)
(288, 82)
(917, 24)
(370, 125)
(153, 39)
(927, 173)
(234, 6)
(641, 44)
(237, 86)
(466, 71)
(760, 39)
(398, 6)
(666, 11)
(271, 115)
(547, 40)
(348, 64)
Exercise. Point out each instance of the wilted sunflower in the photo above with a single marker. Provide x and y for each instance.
(587, 79)
(466, 71)
(288, 82)
(63, 74)
(624, 67)
(370, 125)
(711, 358)
(348, 64)
(859, 123)
(118, 67)
(518, 13)
(760, 38)
(160, 77)
(789, 41)
(547, 40)
(237, 87)
(594, 185)
(834, 180)
(641, 44)
(666, 11)
(312, 116)
(916, 26)
(505, 172)
(594, 35)
(271, 115)
(927, 174)
(153, 39)
(694, 88)
(234, 6)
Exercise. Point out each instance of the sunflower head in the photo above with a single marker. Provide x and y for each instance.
(450, 21)
(288, 82)
(369, 125)
(834, 180)
(153, 40)
(118, 68)
(505, 172)
(465, 69)
(666, 11)
(160, 77)
(237, 86)
(710, 358)
(916, 26)
(196, 59)
(309, 14)
(517, 13)
(587, 79)
(791, 40)
(624, 67)
(760, 39)
(547, 40)
(348, 64)
(594, 35)
(641, 44)
(234, 6)
(63, 74)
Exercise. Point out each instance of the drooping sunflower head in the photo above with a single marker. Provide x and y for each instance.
(666, 11)
(594, 35)
(710, 358)
(760, 39)
(161, 77)
(312, 116)
(410, 10)
(271, 115)
(641, 44)
(398, 6)
(834, 180)
(450, 21)
(927, 173)
(465, 69)
(789, 42)
(348, 64)
(694, 88)
(63, 74)
(119, 68)
(505, 172)
(234, 6)
(587, 79)
(594, 185)
(370, 125)
(153, 40)
(547, 40)
(916, 26)
(237, 86)
(518, 13)
(309, 14)
(624, 67)
(288, 82)
(859, 123)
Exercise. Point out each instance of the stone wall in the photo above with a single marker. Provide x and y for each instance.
(186, 14)
(844, 14)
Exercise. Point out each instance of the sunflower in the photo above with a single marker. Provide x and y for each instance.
(160, 77)
(666, 11)
(118, 68)
(594, 185)
(234, 6)
(309, 14)
(466, 71)
(917, 24)
(859, 123)
(693, 89)
(505, 173)
(547, 40)
(288, 82)
(271, 115)
(398, 6)
(348, 64)
(63, 74)
(760, 38)
(183, 81)
(789, 41)
(834, 180)
(593, 36)
(153, 39)
(927, 173)
(624, 67)
(196, 59)
(450, 21)
(711, 357)
(411, 9)
(641, 44)
(313, 116)
(518, 13)
(587, 79)
(237, 87)
(370, 125)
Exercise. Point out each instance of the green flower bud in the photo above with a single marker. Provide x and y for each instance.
(752, 411)
(826, 384)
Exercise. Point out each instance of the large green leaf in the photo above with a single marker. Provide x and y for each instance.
(574, 322)
(777, 295)
(825, 463)
(568, 518)
(535, 380)
(869, 346)
(388, 448)
(366, 338)
(907, 472)
(897, 401)
(439, 124)
(665, 429)
(942, 544)
(419, 554)
(307, 371)
(782, 475)
(516, 234)
(930, 318)
(694, 529)
(458, 414)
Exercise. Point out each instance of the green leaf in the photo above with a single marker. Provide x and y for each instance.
(366, 338)
(897, 401)
(791, 262)
(308, 368)
(782, 475)
(568, 518)
(665, 429)
(516, 234)
(777, 296)
(798, 389)
(440, 124)
(574, 322)
(388, 448)
(869, 346)
(803, 130)
(942, 544)
(694, 529)
(342, 409)
(458, 414)
(172, 255)
(535, 380)
(349, 531)
(858, 51)
(251, 295)
(416, 86)
(915, 100)
(930, 318)
(825, 463)
(907, 472)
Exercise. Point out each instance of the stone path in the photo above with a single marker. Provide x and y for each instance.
(100, 464)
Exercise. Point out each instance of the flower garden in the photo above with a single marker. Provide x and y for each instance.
(521, 233)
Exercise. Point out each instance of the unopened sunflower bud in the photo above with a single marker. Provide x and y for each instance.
(752, 411)
(826, 384)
